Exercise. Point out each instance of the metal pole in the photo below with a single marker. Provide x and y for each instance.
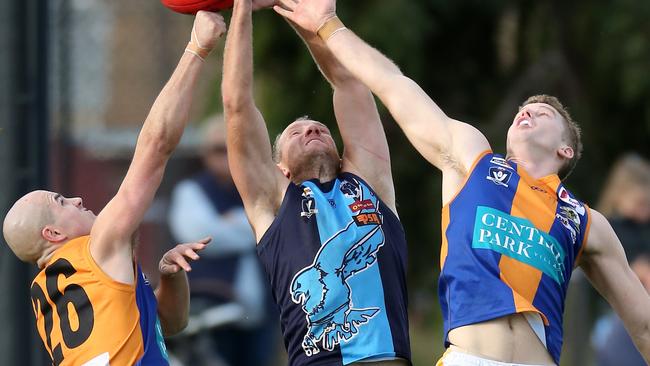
(23, 159)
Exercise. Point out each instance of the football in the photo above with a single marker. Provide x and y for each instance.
(193, 6)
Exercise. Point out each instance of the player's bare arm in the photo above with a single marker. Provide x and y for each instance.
(111, 243)
(173, 292)
(366, 149)
(259, 181)
(606, 266)
(450, 145)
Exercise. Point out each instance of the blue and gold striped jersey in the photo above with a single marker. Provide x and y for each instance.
(509, 245)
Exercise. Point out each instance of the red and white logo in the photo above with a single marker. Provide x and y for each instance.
(564, 196)
(361, 205)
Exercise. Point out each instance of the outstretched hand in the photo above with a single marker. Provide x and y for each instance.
(208, 28)
(176, 259)
(308, 14)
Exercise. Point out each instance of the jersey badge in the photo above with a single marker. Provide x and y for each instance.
(570, 220)
(308, 203)
(351, 189)
(564, 196)
(499, 176)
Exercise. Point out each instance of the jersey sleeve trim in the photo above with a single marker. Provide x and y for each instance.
(469, 174)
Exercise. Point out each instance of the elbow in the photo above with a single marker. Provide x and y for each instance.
(161, 141)
(159, 144)
(232, 105)
(174, 327)
(237, 98)
(181, 324)
(235, 104)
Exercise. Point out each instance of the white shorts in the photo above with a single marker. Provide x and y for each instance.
(456, 358)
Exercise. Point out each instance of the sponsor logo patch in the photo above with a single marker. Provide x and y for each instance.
(519, 239)
(500, 162)
(371, 218)
(361, 205)
(570, 220)
(564, 196)
(538, 189)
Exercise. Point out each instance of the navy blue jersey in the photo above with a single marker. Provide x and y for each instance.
(336, 260)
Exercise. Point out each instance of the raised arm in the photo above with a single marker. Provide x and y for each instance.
(259, 182)
(173, 292)
(366, 149)
(111, 235)
(448, 144)
(606, 266)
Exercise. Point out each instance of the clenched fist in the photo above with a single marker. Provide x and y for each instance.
(208, 27)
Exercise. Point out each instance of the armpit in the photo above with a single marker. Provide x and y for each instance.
(450, 162)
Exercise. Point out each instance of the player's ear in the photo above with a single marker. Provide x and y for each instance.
(284, 170)
(53, 234)
(565, 152)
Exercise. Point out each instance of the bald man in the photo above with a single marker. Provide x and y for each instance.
(93, 305)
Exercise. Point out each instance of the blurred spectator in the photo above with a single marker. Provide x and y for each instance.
(626, 202)
(613, 345)
(208, 204)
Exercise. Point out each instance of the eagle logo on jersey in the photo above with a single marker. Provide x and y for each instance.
(351, 189)
(570, 220)
(325, 293)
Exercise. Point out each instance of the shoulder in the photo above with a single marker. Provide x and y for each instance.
(601, 236)
(599, 226)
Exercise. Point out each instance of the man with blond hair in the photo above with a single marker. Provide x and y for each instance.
(92, 303)
(512, 232)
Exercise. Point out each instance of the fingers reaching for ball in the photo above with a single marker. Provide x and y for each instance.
(179, 257)
(308, 14)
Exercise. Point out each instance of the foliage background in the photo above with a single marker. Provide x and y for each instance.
(478, 59)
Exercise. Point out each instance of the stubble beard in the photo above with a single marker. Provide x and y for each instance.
(321, 165)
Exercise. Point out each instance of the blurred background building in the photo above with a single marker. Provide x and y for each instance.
(79, 76)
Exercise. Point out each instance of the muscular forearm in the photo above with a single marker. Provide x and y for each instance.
(173, 295)
(249, 150)
(641, 338)
(364, 62)
(329, 65)
(237, 83)
(164, 125)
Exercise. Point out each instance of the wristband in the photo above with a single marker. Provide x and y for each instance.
(194, 47)
(330, 27)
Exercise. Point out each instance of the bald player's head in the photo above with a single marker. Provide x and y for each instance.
(40, 220)
(23, 225)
